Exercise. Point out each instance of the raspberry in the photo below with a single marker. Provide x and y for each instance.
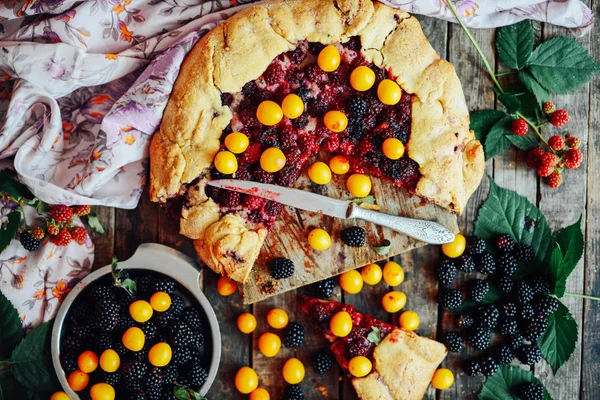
(315, 74)
(61, 213)
(281, 268)
(507, 264)
(473, 368)
(79, 234)
(38, 233)
(28, 242)
(523, 292)
(556, 142)
(505, 284)
(534, 328)
(487, 316)
(505, 243)
(508, 310)
(549, 107)
(53, 229)
(529, 354)
(446, 272)
(293, 392)
(322, 362)
(478, 290)
(484, 263)
(479, 338)
(555, 180)
(293, 335)
(539, 285)
(559, 118)
(324, 289)
(508, 326)
(572, 141)
(503, 355)
(475, 245)
(274, 74)
(524, 252)
(354, 236)
(489, 366)
(549, 159)
(80, 211)
(573, 158)
(545, 305)
(545, 171)
(531, 391)
(252, 153)
(63, 238)
(453, 341)
(534, 157)
(514, 341)
(450, 298)
(519, 127)
(464, 321)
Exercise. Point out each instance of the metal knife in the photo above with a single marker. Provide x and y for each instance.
(426, 231)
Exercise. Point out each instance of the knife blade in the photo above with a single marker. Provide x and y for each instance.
(426, 231)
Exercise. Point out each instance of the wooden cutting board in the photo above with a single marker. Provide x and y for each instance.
(288, 238)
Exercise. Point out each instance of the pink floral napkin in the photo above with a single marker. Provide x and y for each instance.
(83, 86)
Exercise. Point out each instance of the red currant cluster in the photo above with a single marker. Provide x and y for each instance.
(563, 152)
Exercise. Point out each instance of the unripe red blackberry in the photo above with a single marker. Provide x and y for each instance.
(556, 142)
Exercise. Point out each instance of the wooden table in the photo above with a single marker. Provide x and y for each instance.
(579, 194)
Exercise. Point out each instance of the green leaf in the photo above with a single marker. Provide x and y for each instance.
(94, 223)
(384, 248)
(40, 207)
(534, 87)
(505, 382)
(9, 387)
(496, 141)
(10, 229)
(531, 109)
(365, 200)
(562, 65)
(506, 212)
(181, 393)
(129, 285)
(10, 185)
(374, 336)
(559, 340)
(525, 143)
(565, 256)
(510, 102)
(514, 44)
(483, 120)
(493, 296)
(31, 362)
(11, 329)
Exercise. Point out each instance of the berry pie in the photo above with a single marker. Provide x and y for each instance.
(280, 82)
(401, 365)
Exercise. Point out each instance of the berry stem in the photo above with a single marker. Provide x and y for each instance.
(583, 296)
(536, 130)
(499, 74)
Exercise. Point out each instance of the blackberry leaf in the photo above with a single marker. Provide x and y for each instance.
(514, 44)
(505, 382)
(560, 338)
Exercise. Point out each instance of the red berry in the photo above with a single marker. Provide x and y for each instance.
(549, 159)
(549, 107)
(572, 141)
(79, 234)
(573, 158)
(253, 202)
(520, 127)
(556, 142)
(555, 180)
(61, 213)
(53, 229)
(534, 157)
(545, 170)
(38, 233)
(63, 238)
(559, 118)
(80, 211)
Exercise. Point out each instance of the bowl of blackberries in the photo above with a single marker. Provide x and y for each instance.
(138, 329)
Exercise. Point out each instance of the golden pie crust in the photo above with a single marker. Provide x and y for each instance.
(239, 50)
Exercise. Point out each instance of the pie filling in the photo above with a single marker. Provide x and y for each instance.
(357, 342)
(370, 122)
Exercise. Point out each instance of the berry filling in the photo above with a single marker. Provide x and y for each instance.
(370, 122)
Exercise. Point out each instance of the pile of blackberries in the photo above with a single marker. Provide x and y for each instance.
(517, 321)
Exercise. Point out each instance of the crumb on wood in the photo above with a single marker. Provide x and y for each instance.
(322, 389)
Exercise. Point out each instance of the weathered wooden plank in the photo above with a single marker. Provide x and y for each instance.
(104, 245)
(168, 234)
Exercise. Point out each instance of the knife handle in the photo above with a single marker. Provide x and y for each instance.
(425, 231)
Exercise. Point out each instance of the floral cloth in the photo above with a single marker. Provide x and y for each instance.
(83, 86)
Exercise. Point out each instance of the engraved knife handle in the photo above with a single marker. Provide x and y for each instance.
(425, 231)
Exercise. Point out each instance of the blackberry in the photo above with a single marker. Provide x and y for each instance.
(507, 264)
(164, 284)
(465, 263)
(293, 335)
(529, 354)
(523, 293)
(194, 374)
(177, 305)
(141, 355)
(322, 362)
(539, 285)
(170, 373)
(464, 321)
(508, 310)
(479, 338)
(472, 368)
(181, 355)
(508, 326)
(304, 93)
(531, 391)
(300, 122)
(485, 263)
(450, 298)
(112, 378)
(514, 341)
(357, 106)
(546, 305)
(359, 347)
(120, 348)
(453, 341)
(179, 334)
(505, 243)
(197, 339)
(475, 245)
(293, 392)
(533, 328)
(281, 268)
(101, 293)
(446, 272)
(134, 369)
(102, 342)
(503, 355)
(324, 289)
(28, 242)
(487, 316)
(106, 315)
(192, 318)
(506, 284)
(81, 330)
(354, 236)
(489, 366)
(145, 284)
(524, 253)
(153, 382)
(319, 313)
(82, 311)
(162, 320)
(134, 387)
(477, 290)
(69, 363)
(72, 343)
(149, 330)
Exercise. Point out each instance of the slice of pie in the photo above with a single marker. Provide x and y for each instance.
(403, 362)
(270, 50)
